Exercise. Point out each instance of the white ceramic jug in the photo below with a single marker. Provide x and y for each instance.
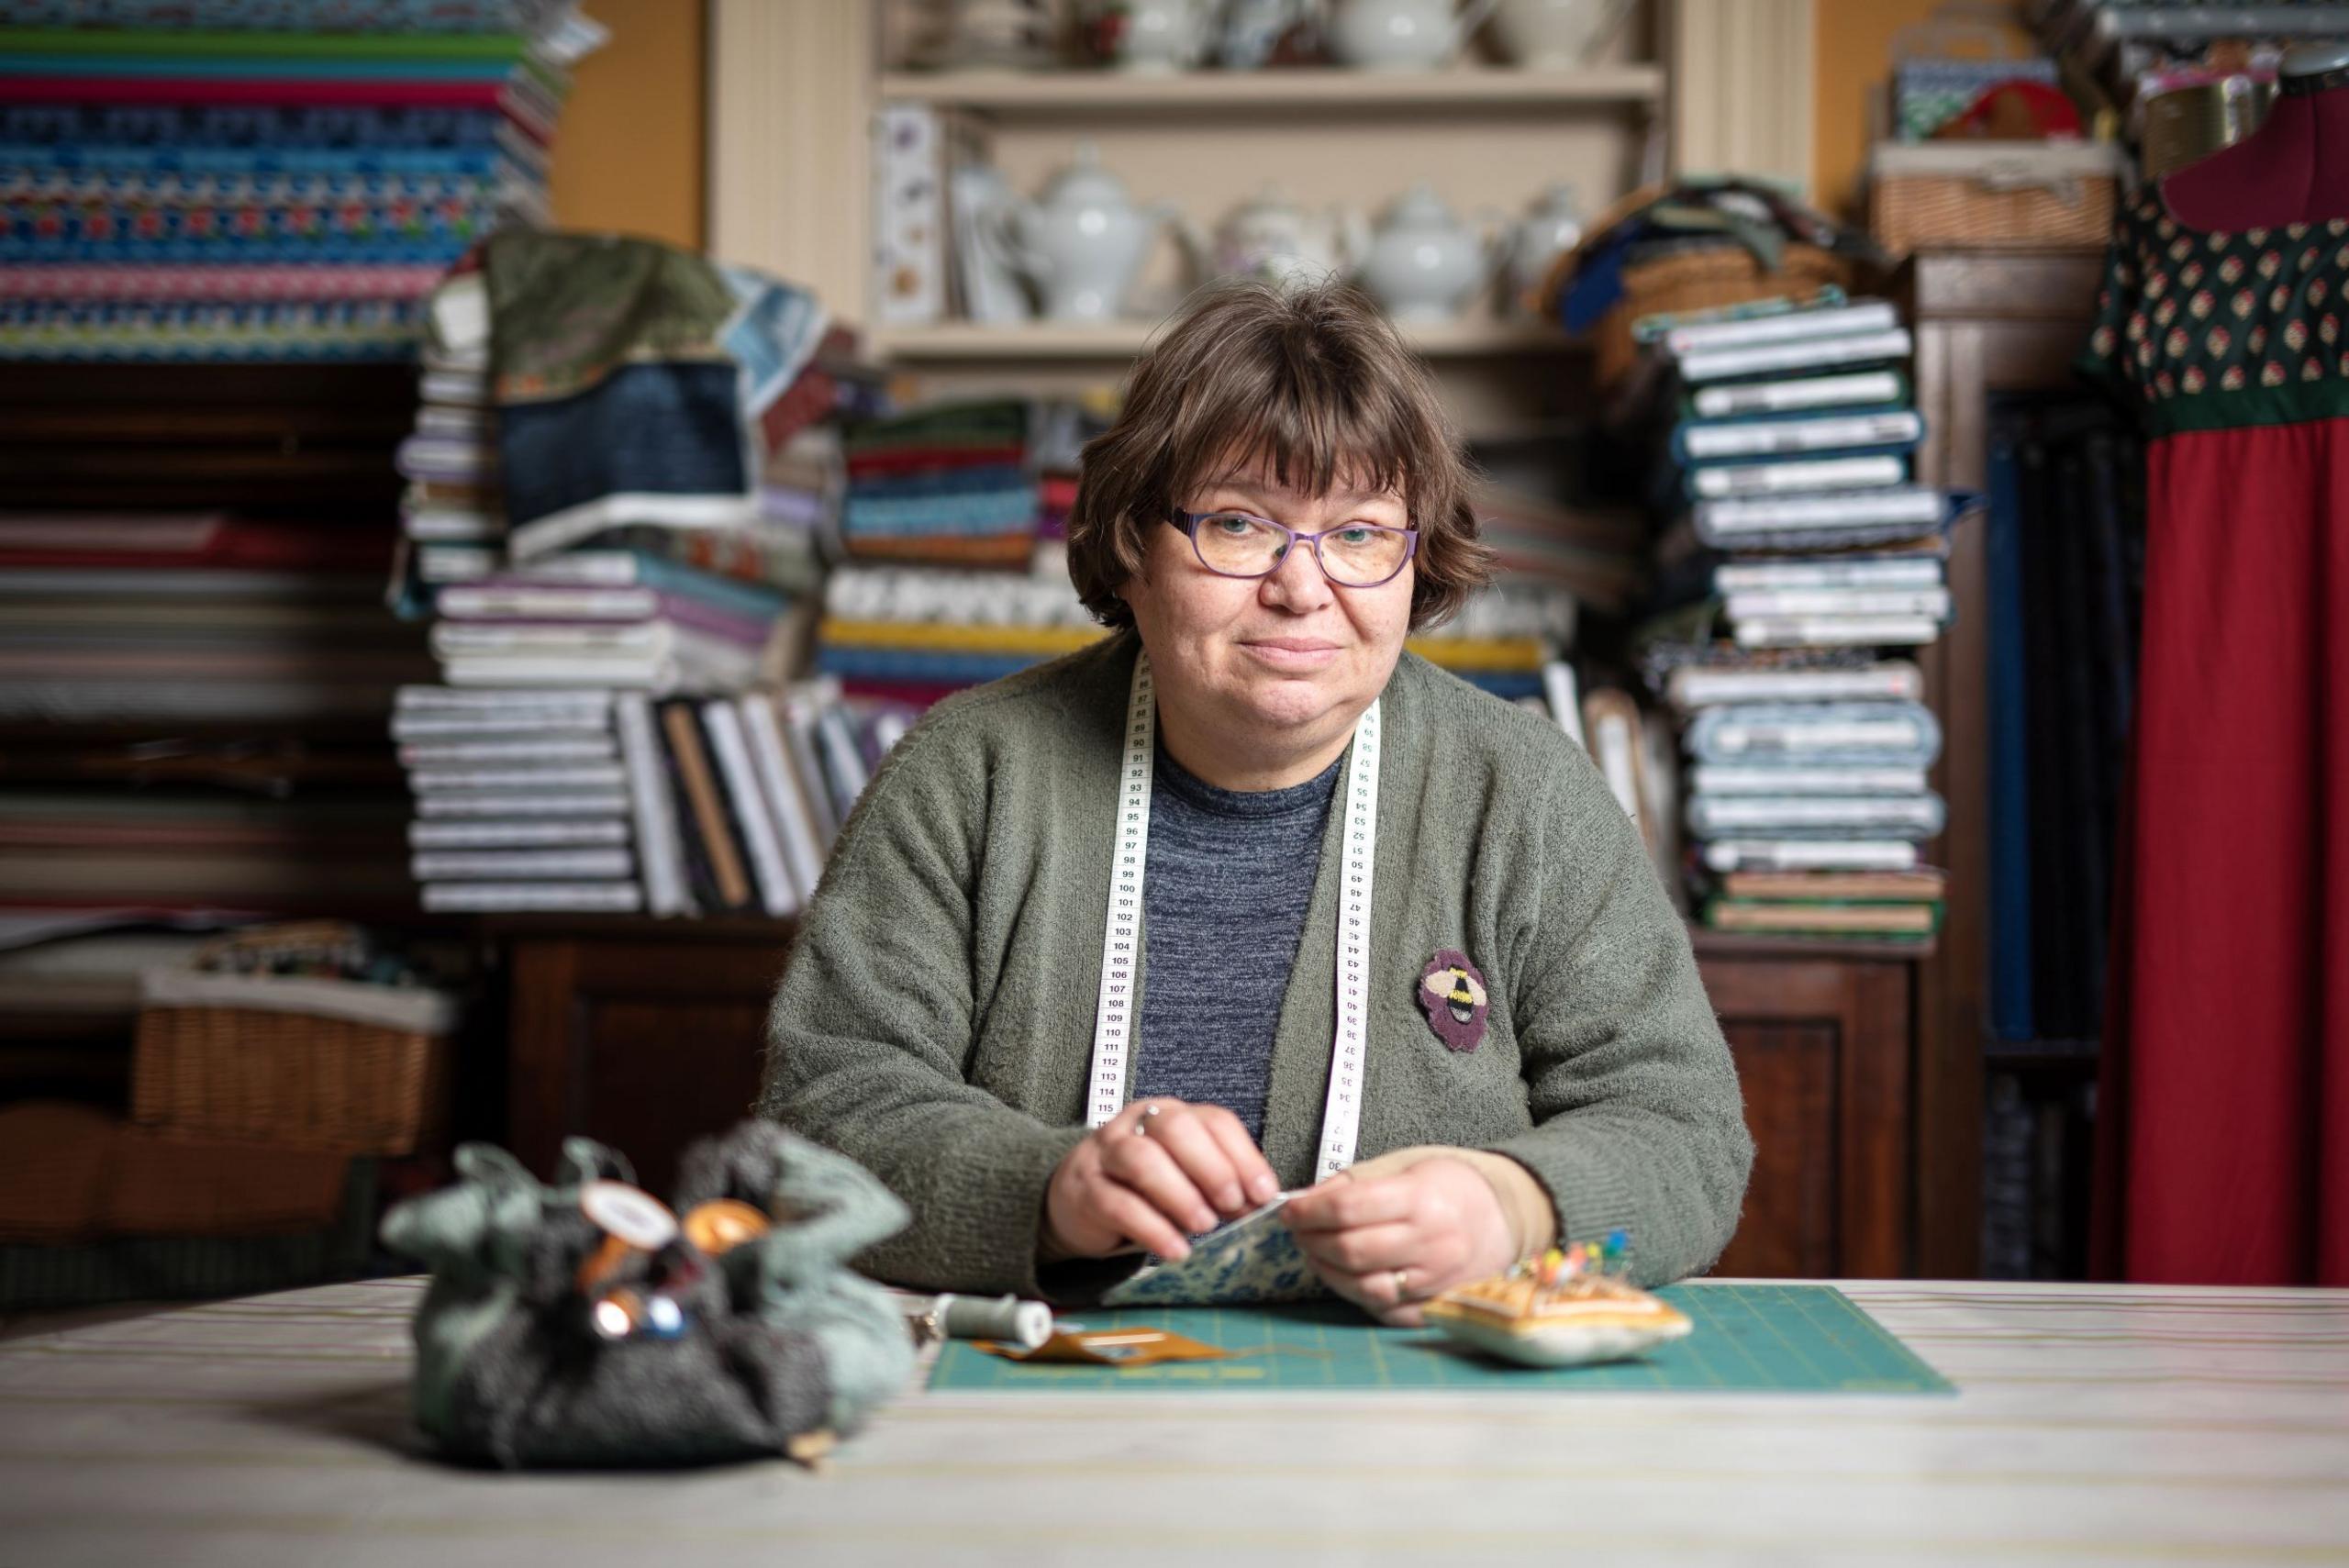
(1555, 35)
(1402, 35)
(1549, 228)
(1083, 244)
(1423, 263)
(1272, 237)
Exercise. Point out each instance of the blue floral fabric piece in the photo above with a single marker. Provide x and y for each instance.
(1254, 1261)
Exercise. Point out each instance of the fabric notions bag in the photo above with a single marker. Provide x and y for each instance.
(585, 1323)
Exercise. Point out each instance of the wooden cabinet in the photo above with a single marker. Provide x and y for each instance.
(646, 1038)
(1985, 322)
(1822, 1048)
(641, 1041)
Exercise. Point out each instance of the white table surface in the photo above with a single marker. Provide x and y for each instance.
(2092, 1425)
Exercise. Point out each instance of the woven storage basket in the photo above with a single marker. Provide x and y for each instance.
(1993, 195)
(326, 1064)
(1703, 279)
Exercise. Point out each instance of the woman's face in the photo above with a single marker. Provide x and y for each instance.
(1276, 662)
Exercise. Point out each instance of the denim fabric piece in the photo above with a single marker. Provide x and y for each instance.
(659, 429)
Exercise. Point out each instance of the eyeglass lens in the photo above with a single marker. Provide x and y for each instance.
(1363, 556)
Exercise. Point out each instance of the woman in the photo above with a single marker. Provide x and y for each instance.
(1245, 897)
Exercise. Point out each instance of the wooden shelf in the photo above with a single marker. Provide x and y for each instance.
(963, 340)
(1273, 91)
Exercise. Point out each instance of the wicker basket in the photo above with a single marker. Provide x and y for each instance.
(1993, 195)
(325, 1065)
(1704, 280)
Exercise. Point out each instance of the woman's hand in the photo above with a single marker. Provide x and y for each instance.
(1155, 1171)
(1387, 1243)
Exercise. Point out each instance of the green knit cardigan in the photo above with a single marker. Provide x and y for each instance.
(935, 1022)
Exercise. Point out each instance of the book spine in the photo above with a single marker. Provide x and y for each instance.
(799, 712)
(1860, 315)
(1796, 477)
(795, 826)
(1689, 689)
(507, 724)
(1778, 436)
(579, 776)
(1859, 348)
(517, 898)
(493, 834)
(1746, 577)
(660, 857)
(677, 720)
(1760, 604)
(1807, 392)
(524, 803)
(476, 699)
(1838, 632)
(530, 601)
(447, 753)
(1713, 779)
(521, 866)
(844, 765)
(1809, 854)
(724, 724)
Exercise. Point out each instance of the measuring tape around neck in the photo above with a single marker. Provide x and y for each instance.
(1113, 1017)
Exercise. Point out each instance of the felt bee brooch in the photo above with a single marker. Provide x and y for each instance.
(1452, 994)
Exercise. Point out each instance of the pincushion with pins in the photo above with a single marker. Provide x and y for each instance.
(1566, 1308)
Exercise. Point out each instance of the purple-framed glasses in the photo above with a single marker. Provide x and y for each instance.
(1241, 544)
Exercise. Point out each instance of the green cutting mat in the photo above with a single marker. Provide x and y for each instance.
(1780, 1337)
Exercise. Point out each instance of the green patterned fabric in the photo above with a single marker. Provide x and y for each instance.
(2218, 331)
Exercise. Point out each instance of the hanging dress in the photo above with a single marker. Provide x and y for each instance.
(2224, 1105)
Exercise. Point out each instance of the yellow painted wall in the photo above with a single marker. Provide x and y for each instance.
(629, 157)
(1854, 61)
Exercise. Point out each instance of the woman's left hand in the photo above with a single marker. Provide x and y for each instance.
(1387, 1243)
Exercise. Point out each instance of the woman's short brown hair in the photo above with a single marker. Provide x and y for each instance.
(1312, 383)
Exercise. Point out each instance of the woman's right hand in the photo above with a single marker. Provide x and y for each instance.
(1157, 1172)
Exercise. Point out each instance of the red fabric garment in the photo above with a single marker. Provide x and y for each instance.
(2228, 1088)
(2223, 1110)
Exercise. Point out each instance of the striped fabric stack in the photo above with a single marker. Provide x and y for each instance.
(910, 636)
(261, 179)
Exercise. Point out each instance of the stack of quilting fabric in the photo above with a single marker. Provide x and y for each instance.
(912, 635)
(239, 179)
(947, 484)
(1789, 467)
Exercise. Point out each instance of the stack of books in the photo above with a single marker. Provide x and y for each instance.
(535, 799)
(1808, 746)
(264, 181)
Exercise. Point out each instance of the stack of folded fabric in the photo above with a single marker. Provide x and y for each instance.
(912, 635)
(1505, 637)
(1592, 554)
(252, 181)
(590, 516)
(950, 485)
(1797, 524)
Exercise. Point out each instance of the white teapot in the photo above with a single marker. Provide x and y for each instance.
(1159, 35)
(1083, 244)
(1549, 228)
(1402, 35)
(1424, 264)
(1272, 237)
(1555, 35)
